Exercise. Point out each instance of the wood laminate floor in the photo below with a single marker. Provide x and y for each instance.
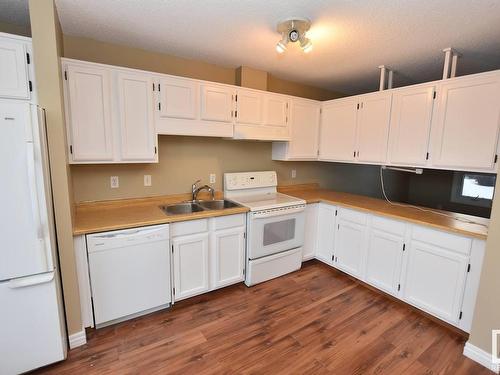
(314, 321)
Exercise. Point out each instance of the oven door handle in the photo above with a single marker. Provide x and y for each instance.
(278, 212)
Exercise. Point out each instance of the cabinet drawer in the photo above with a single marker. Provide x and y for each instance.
(229, 221)
(189, 227)
(353, 216)
(388, 225)
(439, 238)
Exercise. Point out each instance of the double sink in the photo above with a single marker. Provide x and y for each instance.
(197, 206)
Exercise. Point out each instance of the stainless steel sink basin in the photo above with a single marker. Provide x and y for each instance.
(197, 206)
(218, 204)
(182, 208)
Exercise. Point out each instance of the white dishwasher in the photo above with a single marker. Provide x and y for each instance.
(129, 272)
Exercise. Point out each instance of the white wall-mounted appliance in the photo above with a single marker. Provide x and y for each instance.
(275, 225)
(31, 312)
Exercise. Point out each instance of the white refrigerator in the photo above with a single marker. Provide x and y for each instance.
(32, 332)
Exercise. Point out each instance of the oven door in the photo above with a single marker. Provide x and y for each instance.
(275, 230)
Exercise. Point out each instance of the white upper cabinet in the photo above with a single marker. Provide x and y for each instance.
(337, 141)
(250, 107)
(276, 110)
(88, 112)
(261, 116)
(137, 129)
(304, 120)
(465, 130)
(373, 127)
(216, 103)
(190, 107)
(178, 98)
(411, 117)
(13, 69)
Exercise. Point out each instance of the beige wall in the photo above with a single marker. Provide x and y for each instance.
(106, 53)
(487, 312)
(47, 48)
(252, 78)
(282, 86)
(15, 29)
(186, 159)
(113, 54)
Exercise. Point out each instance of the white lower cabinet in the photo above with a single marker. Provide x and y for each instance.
(326, 232)
(310, 232)
(350, 242)
(229, 256)
(435, 275)
(384, 254)
(207, 254)
(190, 265)
(433, 270)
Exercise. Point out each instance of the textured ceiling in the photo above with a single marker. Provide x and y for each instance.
(351, 38)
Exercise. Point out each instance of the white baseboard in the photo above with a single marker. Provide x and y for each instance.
(77, 339)
(480, 356)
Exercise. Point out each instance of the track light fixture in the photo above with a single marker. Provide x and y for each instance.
(294, 30)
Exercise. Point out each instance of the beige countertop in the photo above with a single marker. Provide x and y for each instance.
(467, 225)
(94, 217)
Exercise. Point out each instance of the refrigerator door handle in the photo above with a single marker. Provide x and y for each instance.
(23, 282)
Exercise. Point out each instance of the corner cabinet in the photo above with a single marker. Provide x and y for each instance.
(304, 121)
(109, 115)
(465, 130)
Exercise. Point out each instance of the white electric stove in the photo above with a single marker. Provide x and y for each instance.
(275, 225)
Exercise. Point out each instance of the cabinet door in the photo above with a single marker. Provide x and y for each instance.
(137, 129)
(349, 247)
(466, 126)
(216, 103)
(276, 110)
(310, 232)
(337, 140)
(383, 260)
(229, 252)
(304, 128)
(250, 107)
(178, 98)
(326, 233)
(190, 265)
(410, 125)
(373, 127)
(89, 107)
(13, 70)
(435, 279)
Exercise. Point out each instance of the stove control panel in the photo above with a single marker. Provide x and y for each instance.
(250, 180)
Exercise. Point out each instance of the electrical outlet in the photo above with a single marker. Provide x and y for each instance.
(147, 180)
(212, 178)
(115, 182)
(294, 173)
